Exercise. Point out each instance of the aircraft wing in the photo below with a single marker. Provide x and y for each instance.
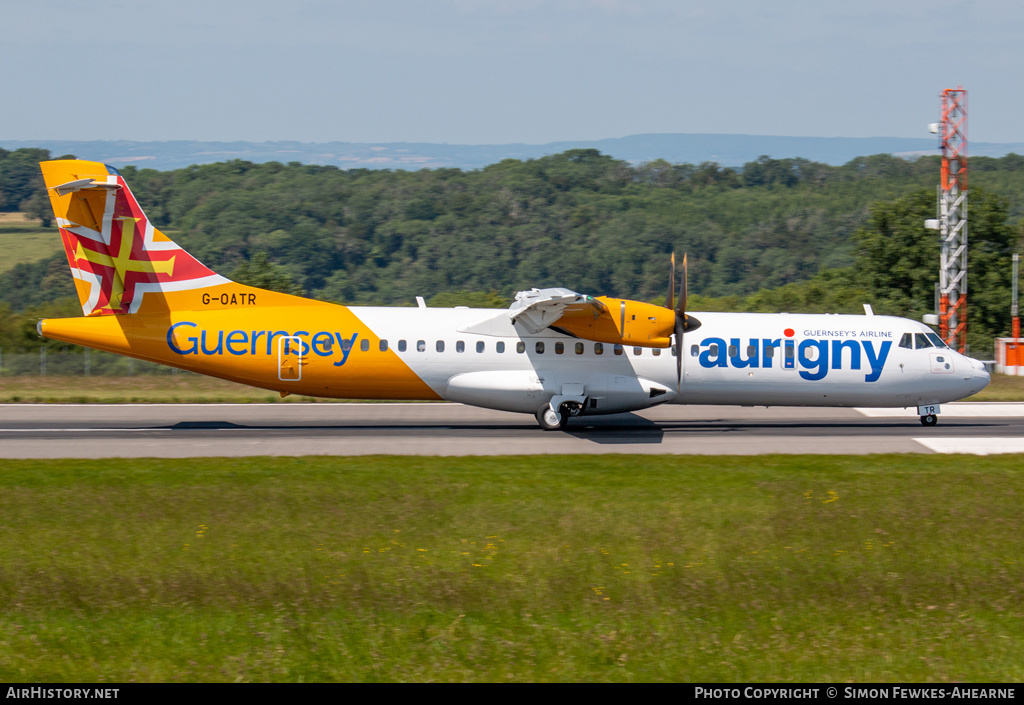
(536, 309)
(600, 319)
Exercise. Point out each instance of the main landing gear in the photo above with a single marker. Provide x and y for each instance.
(929, 420)
(551, 420)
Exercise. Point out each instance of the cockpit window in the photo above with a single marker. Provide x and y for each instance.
(907, 341)
(939, 343)
(921, 341)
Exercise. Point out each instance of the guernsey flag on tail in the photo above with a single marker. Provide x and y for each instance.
(119, 260)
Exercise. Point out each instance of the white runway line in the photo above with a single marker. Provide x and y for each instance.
(973, 446)
(201, 405)
(118, 429)
(960, 410)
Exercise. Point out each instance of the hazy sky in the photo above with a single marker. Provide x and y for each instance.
(534, 71)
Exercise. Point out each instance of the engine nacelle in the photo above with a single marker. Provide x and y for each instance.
(623, 322)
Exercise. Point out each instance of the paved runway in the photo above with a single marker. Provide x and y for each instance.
(194, 430)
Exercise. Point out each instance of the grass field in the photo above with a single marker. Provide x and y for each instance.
(25, 240)
(1002, 388)
(598, 568)
(168, 389)
(197, 389)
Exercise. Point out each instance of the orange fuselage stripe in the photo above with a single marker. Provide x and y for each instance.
(321, 349)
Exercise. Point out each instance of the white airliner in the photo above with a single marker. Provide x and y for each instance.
(554, 353)
(499, 362)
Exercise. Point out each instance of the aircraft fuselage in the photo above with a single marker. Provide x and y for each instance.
(478, 356)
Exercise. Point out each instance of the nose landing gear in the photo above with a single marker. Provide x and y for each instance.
(929, 414)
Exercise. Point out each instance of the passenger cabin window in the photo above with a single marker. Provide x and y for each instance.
(751, 351)
(439, 346)
(364, 345)
(907, 341)
(599, 348)
(617, 349)
(733, 351)
(637, 351)
(559, 348)
(520, 347)
(790, 352)
(499, 346)
(655, 351)
(383, 346)
(401, 346)
(579, 348)
(713, 349)
(694, 350)
(540, 347)
(421, 346)
(769, 350)
(460, 346)
(479, 346)
(921, 341)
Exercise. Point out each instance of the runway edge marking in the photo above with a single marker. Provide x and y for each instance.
(956, 410)
(973, 446)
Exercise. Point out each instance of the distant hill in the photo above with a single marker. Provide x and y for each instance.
(726, 150)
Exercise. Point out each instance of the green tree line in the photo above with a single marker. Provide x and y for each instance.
(896, 267)
(777, 234)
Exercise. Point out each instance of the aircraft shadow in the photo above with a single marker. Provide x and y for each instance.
(622, 429)
(619, 429)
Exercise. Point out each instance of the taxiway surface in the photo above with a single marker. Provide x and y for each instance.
(197, 430)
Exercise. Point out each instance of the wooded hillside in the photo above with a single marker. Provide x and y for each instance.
(580, 219)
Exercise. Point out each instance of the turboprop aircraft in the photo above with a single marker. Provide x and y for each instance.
(554, 353)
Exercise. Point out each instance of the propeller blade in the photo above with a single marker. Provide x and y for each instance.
(689, 322)
(682, 291)
(670, 299)
(680, 328)
(683, 324)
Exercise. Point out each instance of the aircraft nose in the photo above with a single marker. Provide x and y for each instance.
(981, 376)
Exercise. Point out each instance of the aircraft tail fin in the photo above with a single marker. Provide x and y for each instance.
(117, 257)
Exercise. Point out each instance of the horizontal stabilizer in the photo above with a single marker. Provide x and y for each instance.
(82, 184)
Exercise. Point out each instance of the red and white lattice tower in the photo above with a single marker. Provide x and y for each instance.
(953, 219)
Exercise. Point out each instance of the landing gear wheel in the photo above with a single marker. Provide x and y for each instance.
(929, 420)
(550, 420)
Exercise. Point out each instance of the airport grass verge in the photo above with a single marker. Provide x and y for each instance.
(553, 568)
(24, 240)
(183, 388)
(1002, 388)
(192, 388)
